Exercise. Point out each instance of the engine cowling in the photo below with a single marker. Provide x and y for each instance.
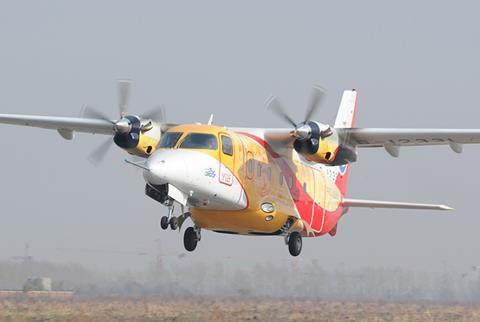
(140, 139)
(323, 145)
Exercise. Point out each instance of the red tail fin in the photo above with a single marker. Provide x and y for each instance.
(345, 119)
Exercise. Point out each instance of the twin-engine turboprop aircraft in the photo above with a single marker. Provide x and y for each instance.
(288, 182)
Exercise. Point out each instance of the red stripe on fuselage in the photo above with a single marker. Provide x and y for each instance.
(323, 221)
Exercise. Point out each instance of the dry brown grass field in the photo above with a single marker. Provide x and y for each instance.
(161, 309)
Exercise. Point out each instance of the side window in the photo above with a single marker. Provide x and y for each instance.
(259, 169)
(290, 182)
(227, 146)
(269, 174)
(280, 179)
(250, 168)
(305, 187)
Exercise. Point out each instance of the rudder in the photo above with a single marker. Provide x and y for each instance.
(345, 119)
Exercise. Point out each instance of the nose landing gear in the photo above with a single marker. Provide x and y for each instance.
(169, 220)
(164, 222)
(174, 223)
(191, 236)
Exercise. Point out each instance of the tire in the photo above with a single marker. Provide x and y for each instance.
(190, 239)
(174, 223)
(295, 243)
(164, 222)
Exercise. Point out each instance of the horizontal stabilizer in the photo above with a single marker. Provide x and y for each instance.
(347, 203)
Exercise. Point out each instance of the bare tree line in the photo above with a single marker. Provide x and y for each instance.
(307, 281)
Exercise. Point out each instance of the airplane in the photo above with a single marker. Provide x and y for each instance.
(289, 182)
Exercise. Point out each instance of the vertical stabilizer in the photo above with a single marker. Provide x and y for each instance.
(345, 119)
(347, 110)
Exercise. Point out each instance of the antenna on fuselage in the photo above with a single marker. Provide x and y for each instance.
(210, 120)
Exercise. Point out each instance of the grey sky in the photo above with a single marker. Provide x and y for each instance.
(414, 63)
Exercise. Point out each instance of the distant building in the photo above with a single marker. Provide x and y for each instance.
(37, 287)
(38, 284)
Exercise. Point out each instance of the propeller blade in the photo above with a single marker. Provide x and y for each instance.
(156, 114)
(274, 105)
(123, 88)
(100, 152)
(90, 112)
(316, 99)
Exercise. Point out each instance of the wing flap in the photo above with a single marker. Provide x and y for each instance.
(75, 124)
(360, 203)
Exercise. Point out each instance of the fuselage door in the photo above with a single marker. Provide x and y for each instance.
(227, 159)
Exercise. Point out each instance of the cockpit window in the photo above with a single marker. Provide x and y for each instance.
(169, 139)
(200, 141)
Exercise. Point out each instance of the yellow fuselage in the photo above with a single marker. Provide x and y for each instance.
(299, 191)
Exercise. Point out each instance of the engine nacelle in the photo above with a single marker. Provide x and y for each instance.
(141, 139)
(324, 146)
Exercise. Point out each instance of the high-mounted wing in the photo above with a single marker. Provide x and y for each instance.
(61, 124)
(391, 139)
(349, 203)
(137, 134)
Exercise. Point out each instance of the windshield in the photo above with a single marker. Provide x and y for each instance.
(200, 141)
(169, 139)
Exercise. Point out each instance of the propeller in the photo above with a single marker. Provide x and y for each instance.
(126, 130)
(306, 133)
(123, 90)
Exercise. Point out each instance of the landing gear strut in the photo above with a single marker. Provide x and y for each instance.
(295, 243)
(191, 238)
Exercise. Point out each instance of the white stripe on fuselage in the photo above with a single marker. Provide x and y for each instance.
(197, 175)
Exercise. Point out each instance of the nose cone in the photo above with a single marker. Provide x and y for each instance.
(123, 126)
(198, 176)
(302, 132)
(157, 172)
(166, 166)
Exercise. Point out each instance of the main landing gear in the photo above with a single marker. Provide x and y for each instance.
(294, 242)
(191, 238)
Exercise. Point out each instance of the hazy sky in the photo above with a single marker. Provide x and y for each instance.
(414, 63)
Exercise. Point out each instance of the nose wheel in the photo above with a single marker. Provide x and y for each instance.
(164, 222)
(174, 223)
(169, 220)
(295, 243)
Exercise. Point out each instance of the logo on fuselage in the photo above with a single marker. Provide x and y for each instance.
(209, 172)
(343, 169)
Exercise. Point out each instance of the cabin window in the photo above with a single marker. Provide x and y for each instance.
(200, 141)
(269, 174)
(259, 169)
(227, 146)
(290, 182)
(280, 179)
(250, 168)
(169, 139)
(305, 187)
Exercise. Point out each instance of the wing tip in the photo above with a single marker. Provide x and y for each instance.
(445, 207)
